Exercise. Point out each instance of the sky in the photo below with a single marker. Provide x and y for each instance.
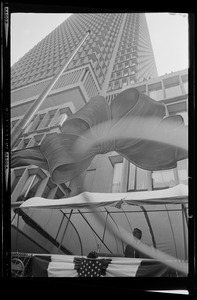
(168, 33)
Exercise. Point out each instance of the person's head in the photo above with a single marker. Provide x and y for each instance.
(137, 233)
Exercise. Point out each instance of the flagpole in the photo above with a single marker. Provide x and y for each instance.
(24, 122)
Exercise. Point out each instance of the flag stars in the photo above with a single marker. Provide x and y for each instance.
(90, 268)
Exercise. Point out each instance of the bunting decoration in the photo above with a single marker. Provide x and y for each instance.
(77, 266)
(133, 125)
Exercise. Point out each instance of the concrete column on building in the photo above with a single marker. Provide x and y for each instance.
(163, 89)
(187, 164)
(52, 193)
(167, 112)
(28, 184)
(55, 118)
(84, 74)
(182, 85)
(187, 105)
(149, 180)
(124, 177)
(176, 176)
(147, 92)
(19, 186)
(13, 176)
(42, 187)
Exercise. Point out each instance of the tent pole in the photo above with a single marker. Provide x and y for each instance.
(60, 226)
(185, 213)
(105, 227)
(76, 233)
(124, 175)
(135, 180)
(24, 122)
(184, 232)
(94, 231)
(118, 230)
(60, 244)
(149, 226)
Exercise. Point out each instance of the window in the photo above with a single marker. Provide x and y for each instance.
(124, 82)
(62, 118)
(126, 72)
(177, 107)
(39, 119)
(26, 183)
(156, 95)
(38, 138)
(119, 66)
(173, 91)
(49, 118)
(24, 143)
(110, 86)
(16, 175)
(163, 179)
(116, 84)
(185, 84)
(118, 75)
(131, 71)
(117, 175)
(141, 183)
(30, 186)
(89, 180)
(131, 177)
(183, 171)
(126, 64)
(155, 91)
(112, 76)
(132, 81)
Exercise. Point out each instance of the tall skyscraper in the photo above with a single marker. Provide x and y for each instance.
(116, 55)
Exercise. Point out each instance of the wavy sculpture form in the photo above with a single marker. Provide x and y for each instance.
(134, 125)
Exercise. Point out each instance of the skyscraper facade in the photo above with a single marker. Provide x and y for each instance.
(116, 55)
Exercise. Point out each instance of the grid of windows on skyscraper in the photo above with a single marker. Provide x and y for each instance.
(48, 55)
(124, 70)
(134, 60)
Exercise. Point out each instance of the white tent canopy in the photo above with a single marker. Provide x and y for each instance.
(72, 222)
(174, 195)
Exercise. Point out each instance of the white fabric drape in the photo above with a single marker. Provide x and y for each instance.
(174, 195)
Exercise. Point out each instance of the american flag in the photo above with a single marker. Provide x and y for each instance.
(87, 267)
